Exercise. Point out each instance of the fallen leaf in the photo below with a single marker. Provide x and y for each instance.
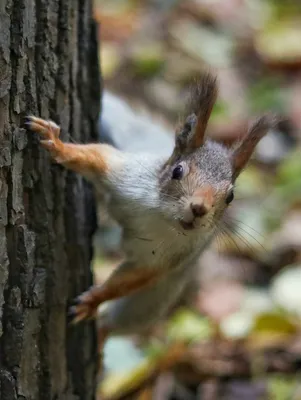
(188, 326)
(274, 322)
(281, 387)
(237, 325)
(286, 289)
(279, 44)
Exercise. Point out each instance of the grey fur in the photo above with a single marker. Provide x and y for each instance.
(159, 227)
(141, 203)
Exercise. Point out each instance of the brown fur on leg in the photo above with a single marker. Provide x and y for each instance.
(125, 279)
(86, 159)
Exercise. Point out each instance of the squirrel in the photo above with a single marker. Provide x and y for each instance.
(169, 210)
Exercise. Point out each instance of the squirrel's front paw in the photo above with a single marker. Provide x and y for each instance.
(84, 307)
(48, 130)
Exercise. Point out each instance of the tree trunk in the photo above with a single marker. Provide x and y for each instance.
(49, 68)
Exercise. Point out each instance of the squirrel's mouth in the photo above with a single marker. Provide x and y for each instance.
(188, 226)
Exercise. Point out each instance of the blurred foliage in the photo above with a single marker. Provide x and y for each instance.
(282, 387)
(265, 95)
(148, 60)
(150, 51)
(288, 177)
(187, 326)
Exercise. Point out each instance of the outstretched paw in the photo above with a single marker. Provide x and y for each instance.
(48, 130)
(84, 308)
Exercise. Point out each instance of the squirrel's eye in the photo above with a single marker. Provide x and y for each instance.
(177, 173)
(230, 197)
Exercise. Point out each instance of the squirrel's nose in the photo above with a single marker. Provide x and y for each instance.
(198, 209)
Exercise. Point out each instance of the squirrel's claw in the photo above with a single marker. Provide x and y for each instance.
(83, 308)
(48, 129)
(49, 132)
(75, 316)
(122, 282)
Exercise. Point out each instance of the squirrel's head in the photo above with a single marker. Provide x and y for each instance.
(197, 181)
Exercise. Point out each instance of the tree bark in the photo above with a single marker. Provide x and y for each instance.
(48, 67)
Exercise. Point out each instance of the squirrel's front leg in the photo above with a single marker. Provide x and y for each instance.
(93, 160)
(126, 279)
(89, 160)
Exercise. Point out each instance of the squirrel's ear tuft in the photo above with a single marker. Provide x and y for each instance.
(191, 135)
(244, 150)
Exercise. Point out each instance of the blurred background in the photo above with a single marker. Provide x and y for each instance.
(237, 333)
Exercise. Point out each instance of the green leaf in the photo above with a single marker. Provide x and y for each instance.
(284, 9)
(188, 326)
(148, 60)
(286, 190)
(220, 111)
(271, 329)
(274, 322)
(290, 169)
(279, 42)
(266, 95)
(281, 387)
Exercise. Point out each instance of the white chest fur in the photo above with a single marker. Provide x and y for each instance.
(150, 237)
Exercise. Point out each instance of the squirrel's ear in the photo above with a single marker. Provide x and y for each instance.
(244, 150)
(191, 134)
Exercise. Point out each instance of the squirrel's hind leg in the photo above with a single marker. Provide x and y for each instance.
(126, 279)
